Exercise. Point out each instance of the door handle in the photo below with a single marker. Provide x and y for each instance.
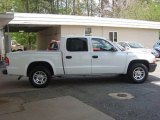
(94, 56)
(68, 57)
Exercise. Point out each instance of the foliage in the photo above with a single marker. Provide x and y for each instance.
(134, 9)
(24, 39)
(6, 5)
(144, 10)
(130, 9)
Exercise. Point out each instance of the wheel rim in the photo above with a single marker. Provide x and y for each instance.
(40, 77)
(138, 73)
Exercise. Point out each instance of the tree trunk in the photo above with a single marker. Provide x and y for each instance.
(87, 4)
(57, 6)
(102, 8)
(74, 7)
(27, 6)
(91, 7)
(66, 6)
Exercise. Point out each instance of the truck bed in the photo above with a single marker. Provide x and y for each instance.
(23, 59)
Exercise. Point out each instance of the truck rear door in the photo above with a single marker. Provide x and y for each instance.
(76, 56)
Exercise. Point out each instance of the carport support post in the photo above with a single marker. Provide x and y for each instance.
(2, 49)
(8, 41)
(1, 44)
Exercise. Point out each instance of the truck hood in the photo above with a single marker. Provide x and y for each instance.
(141, 56)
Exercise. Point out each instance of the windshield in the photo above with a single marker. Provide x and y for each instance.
(120, 47)
(135, 45)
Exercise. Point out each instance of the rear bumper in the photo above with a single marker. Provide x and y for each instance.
(152, 67)
(4, 72)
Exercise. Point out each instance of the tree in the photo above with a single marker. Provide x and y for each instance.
(144, 10)
(23, 37)
(130, 9)
(6, 5)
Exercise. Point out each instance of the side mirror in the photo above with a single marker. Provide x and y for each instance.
(126, 48)
(113, 49)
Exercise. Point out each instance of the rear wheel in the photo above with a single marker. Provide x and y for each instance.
(138, 73)
(39, 77)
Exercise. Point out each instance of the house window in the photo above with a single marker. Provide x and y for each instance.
(88, 31)
(113, 36)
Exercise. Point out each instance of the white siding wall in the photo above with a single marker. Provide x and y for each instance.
(97, 31)
(44, 37)
(72, 30)
(147, 37)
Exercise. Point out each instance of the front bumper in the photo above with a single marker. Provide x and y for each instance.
(152, 67)
(4, 72)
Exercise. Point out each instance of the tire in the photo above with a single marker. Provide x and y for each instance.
(39, 77)
(138, 73)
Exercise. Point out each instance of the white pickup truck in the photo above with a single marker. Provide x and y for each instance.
(80, 56)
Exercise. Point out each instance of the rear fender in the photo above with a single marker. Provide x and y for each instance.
(46, 61)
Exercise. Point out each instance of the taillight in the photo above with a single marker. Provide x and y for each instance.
(7, 60)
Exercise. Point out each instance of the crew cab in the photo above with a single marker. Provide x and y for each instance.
(84, 55)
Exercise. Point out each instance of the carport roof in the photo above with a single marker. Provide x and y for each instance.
(32, 19)
(5, 18)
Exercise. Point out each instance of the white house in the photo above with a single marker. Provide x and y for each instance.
(51, 26)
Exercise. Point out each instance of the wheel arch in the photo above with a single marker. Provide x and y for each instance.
(40, 63)
(145, 62)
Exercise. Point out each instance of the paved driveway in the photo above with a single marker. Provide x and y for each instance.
(95, 91)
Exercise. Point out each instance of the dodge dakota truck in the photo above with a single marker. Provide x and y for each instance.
(86, 55)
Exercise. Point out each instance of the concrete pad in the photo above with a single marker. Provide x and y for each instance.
(10, 105)
(62, 108)
(10, 84)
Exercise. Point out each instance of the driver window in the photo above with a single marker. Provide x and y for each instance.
(101, 45)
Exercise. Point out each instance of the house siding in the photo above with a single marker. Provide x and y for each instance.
(67, 30)
(146, 37)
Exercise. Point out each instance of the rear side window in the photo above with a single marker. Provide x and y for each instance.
(77, 44)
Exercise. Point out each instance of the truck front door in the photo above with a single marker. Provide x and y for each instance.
(105, 59)
(76, 56)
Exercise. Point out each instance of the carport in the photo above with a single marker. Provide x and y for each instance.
(41, 25)
(44, 34)
(4, 20)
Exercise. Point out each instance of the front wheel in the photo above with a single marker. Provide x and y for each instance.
(138, 73)
(39, 77)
